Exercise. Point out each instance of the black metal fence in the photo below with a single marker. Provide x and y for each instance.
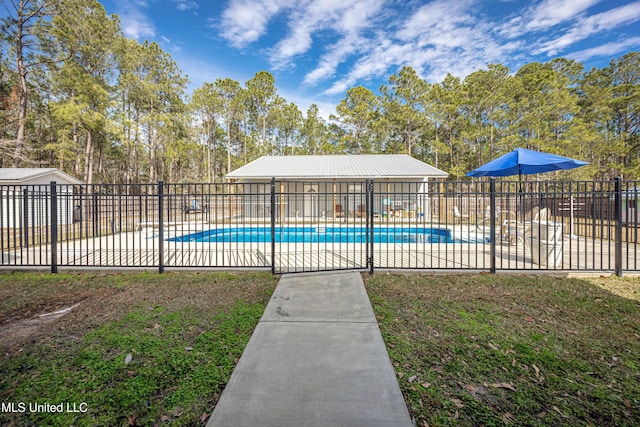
(287, 226)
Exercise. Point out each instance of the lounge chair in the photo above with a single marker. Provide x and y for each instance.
(502, 216)
(339, 212)
(515, 231)
(361, 212)
(458, 216)
(194, 207)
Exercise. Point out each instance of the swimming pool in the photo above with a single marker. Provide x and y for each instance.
(321, 235)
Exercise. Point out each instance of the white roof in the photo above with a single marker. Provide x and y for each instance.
(339, 166)
(22, 175)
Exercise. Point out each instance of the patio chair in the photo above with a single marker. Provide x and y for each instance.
(486, 216)
(362, 211)
(502, 215)
(458, 216)
(339, 212)
(194, 207)
(515, 231)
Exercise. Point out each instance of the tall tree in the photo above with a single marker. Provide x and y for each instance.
(7, 85)
(129, 102)
(403, 107)
(610, 107)
(314, 132)
(230, 96)
(289, 122)
(446, 107)
(540, 98)
(23, 15)
(82, 36)
(625, 104)
(357, 114)
(485, 100)
(261, 96)
(205, 104)
(161, 95)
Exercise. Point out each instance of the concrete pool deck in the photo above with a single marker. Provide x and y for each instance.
(141, 249)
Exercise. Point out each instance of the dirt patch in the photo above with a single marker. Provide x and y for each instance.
(15, 332)
(54, 320)
(100, 298)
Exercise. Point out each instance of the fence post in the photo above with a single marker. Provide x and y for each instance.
(273, 225)
(96, 215)
(370, 225)
(25, 216)
(160, 227)
(81, 209)
(54, 226)
(618, 223)
(492, 226)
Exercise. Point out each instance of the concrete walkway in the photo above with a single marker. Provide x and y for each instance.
(316, 358)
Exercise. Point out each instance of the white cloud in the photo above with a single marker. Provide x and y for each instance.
(549, 13)
(138, 3)
(591, 25)
(383, 55)
(443, 37)
(339, 18)
(357, 41)
(437, 17)
(184, 5)
(606, 50)
(245, 21)
(543, 16)
(298, 42)
(136, 25)
(326, 68)
(334, 56)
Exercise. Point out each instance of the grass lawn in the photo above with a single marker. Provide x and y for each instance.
(148, 349)
(138, 349)
(519, 350)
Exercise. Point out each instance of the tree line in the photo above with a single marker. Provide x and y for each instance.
(77, 95)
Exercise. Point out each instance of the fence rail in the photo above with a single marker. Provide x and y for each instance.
(287, 226)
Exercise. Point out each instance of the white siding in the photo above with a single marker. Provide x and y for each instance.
(33, 204)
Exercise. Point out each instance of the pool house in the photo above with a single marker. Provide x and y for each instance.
(334, 187)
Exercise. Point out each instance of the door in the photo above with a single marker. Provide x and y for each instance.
(310, 206)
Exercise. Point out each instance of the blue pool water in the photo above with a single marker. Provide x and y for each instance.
(321, 235)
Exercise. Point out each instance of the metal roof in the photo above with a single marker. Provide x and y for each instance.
(337, 166)
(18, 175)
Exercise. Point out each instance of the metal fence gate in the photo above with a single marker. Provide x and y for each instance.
(322, 226)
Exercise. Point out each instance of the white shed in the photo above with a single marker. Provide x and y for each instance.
(25, 196)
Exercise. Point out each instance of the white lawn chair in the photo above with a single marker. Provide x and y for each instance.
(458, 216)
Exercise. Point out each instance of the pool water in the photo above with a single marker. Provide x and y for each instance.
(321, 235)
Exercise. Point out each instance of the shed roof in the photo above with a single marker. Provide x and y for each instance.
(337, 166)
(20, 175)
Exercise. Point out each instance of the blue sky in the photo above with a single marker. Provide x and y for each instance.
(318, 49)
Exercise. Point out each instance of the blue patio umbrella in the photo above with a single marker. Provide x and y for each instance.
(522, 161)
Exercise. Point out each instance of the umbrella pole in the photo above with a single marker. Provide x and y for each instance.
(521, 192)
